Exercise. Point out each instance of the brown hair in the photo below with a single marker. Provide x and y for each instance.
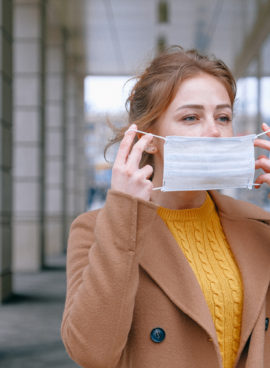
(158, 84)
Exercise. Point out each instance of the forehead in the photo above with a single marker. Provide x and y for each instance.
(202, 89)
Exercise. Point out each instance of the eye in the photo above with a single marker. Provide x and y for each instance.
(224, 118)
(190, 118)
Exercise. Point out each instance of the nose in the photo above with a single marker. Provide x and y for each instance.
(211, 129)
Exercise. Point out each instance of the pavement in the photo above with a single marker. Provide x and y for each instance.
(30, 321)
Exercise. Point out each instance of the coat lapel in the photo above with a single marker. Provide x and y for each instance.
(249, 238)
(166, 264)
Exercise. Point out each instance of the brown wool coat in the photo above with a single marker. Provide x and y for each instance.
(126, 275)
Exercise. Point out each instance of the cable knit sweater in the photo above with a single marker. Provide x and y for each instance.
(200, 236)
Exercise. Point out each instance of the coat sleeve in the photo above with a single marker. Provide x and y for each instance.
(102, 280)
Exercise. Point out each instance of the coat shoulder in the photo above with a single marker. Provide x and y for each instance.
(85, 219)
(229, 206)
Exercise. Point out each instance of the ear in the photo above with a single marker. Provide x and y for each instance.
(151, 148)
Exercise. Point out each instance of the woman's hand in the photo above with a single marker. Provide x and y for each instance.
(263, 162)
(127, 177)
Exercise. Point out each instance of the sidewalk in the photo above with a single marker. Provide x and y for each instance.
(30, 322)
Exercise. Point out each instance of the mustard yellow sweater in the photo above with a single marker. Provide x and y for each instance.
(199, 233)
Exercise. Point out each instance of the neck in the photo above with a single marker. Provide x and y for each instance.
(179, 200)
(174, 200)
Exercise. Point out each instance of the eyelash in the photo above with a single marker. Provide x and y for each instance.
(228, 119)
(186, 118)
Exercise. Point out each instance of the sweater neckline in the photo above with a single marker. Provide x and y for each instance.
(187, 214)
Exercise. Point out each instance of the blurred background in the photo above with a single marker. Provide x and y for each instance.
(65, 67)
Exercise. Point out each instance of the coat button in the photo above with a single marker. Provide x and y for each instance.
(266, 323)
(157, 335)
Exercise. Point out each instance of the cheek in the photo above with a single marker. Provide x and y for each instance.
(228, 131)
(179, 128)
(159, 156)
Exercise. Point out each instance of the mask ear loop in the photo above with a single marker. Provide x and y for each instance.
(267, 131)
(154, 135)
(140, 131)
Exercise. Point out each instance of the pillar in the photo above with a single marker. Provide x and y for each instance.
(29, 143)
(5, 148)
(75, 172)
(71, 137)
(80, 153)
(55, 138)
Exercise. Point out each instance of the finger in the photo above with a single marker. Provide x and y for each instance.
(264, 178)
(266, 127)
(263, 163)
(261, 156)
(137, 151)
(146, 171)
(262, 143)
(125, 146)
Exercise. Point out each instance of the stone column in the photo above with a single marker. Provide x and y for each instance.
(80, 155)
(29, 143)
(71, 134)
(55, 107)
(76, 193)
(5, 147)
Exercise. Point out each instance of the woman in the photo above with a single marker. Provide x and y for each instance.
(170, 279)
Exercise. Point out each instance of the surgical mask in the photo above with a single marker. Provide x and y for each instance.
(202, 163)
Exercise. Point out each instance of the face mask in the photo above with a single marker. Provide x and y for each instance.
(201, 163)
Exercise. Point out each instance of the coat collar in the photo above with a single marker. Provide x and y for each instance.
(235, 208)
(248, 236)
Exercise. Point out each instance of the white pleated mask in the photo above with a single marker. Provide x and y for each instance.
(202, 163)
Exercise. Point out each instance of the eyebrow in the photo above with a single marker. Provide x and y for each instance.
(201, 107)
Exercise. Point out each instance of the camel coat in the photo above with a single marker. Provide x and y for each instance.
(126, 276)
